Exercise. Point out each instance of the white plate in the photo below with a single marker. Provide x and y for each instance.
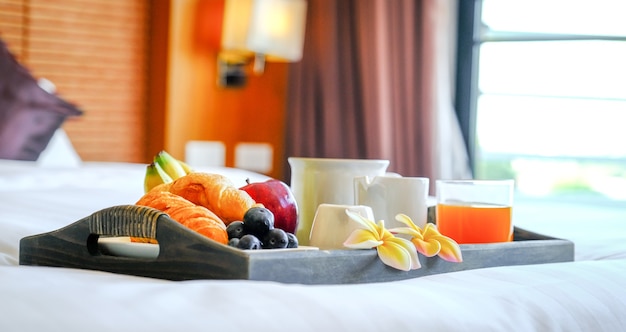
(300, 248)
(122, 246)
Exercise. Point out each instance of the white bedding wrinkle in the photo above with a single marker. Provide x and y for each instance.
(588, 294)
(433, 303)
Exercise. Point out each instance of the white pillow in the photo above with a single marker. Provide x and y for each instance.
(60, 152)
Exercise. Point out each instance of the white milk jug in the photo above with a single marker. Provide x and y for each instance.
(326, 180)
(390, 195)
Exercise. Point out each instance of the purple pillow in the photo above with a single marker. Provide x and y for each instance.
(29, 115)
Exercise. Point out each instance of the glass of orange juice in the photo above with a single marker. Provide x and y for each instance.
(475, 211)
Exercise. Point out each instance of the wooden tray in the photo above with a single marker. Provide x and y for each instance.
(184, 254)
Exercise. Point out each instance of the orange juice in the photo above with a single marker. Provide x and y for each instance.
(475, 223)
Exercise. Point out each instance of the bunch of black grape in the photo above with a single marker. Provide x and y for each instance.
(257, 231)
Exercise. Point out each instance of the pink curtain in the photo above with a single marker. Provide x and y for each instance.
(375, 81)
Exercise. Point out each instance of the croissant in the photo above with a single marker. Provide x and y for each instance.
(195, 217)
(215, 192)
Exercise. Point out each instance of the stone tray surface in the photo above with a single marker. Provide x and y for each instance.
(186, 255)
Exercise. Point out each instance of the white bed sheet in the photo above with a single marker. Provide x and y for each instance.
(585, 295)
(554, 297)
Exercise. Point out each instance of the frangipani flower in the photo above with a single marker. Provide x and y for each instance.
(429, 242)
(396, 252)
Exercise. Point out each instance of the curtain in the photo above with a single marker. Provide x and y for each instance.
(375, 82)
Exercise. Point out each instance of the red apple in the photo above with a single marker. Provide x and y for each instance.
(277, 197)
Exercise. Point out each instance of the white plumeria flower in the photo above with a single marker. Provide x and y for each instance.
(393, 251)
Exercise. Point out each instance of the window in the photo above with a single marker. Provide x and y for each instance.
(542, 99)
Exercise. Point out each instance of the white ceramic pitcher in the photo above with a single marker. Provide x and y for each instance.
(326, 180)
(390, 195)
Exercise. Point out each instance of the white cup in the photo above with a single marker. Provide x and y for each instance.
(326, 180)
(391, 195)
(332, 226)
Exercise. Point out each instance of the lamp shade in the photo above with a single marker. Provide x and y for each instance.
(274, 28)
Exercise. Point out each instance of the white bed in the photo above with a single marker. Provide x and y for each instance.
(588, 294)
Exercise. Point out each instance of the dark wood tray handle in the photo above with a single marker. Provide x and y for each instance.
(183, 253)
(125, 220)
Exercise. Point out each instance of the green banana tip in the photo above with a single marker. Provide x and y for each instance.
(164, 154)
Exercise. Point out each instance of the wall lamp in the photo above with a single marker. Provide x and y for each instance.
(258, 31)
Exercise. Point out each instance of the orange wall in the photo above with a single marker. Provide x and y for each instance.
(198, 109)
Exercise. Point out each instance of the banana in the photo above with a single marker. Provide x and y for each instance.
(186, 167)
(170, 165)
(164, 169)
(155, 176)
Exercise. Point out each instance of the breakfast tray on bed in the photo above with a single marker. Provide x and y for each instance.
(101, 242)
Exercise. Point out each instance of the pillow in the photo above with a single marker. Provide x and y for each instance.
(29, 116)
(60, 152)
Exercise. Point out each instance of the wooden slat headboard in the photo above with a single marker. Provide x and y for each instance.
(96, 53)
